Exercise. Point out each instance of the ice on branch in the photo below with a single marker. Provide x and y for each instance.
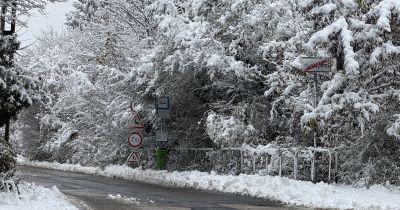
(385, 10)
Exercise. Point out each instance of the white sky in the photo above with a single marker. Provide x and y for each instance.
(55, 18)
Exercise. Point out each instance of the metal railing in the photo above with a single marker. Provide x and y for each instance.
(271, 161)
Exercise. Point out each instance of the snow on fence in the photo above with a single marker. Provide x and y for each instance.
(264, 160)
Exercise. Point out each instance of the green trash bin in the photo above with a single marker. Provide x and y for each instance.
(161, 158)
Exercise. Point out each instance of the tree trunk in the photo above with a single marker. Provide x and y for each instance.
(7, 131)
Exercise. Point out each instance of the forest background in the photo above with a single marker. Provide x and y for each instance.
(232, 69)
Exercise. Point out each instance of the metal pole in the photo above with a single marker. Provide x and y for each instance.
(312, 166)
(295, 163)
(187, 158)
(315, 139)
(177, 153)
(254, 164)
(336, 165)
(315, 102)
(3, 17)
(195, 157)
(241, 161)
(330, 165)
(13, 16)
(234, 159)
(315, 89)
(280, 164)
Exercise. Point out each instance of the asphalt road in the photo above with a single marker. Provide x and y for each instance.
(93, 192)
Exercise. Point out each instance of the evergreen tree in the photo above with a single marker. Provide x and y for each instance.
(15, 84)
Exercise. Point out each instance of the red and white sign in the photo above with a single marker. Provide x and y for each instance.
(135, 139)
(317, 64)
(137, 122)
(134, 157)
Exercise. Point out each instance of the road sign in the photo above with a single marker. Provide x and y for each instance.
(134, 157)
(162, 114)
(162, 103)
(317, 64)
(161, 136)
(135, 139)
(138, 121)
(163, 107)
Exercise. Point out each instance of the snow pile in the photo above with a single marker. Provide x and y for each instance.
(34, 197)
(292, 192)
(124, 199)
(58, 166)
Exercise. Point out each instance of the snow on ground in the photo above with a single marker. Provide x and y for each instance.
(289, 191)
(124, 199)
(34, 197)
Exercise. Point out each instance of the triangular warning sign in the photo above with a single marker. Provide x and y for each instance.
(138, 121)
(134, 157)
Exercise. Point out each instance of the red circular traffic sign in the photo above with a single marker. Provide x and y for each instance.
(135, 139)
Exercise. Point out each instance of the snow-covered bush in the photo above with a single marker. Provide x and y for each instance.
(228, 131)
(7, 166)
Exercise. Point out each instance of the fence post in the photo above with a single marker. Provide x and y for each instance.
(187, 158)
(234, 158)
(254, 164)
(280, 162)
(336, 166)
(330, 166)
(222, 156)
(266, 163)
(176, 158)
(195, 158)
(241, 160)
(312, 166)
(295, 162)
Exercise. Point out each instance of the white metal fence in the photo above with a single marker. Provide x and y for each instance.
(270, 161)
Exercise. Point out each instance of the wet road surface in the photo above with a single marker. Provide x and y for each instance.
(93, 192)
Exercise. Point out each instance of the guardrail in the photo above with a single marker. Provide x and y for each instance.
(265, 161)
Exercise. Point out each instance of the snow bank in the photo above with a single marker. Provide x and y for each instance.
(289, 191)
(34, 197)
(124, 199)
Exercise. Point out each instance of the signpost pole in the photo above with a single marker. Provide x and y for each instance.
(315, 102)
(135, 138)
(163, 109)
(315, 65)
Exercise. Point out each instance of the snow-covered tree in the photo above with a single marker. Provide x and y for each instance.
(15, 84)
(356, 98)
(233, 70)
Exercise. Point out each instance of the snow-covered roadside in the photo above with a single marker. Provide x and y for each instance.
(34, 197)
(292, 192)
